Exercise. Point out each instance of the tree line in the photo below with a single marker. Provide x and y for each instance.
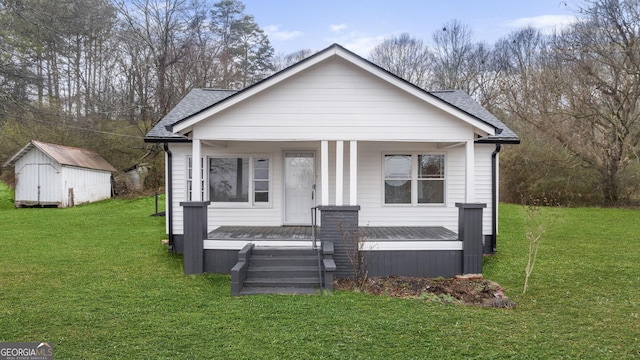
(100, 73)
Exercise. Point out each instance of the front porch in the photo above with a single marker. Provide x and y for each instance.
(294, 235)
(292, 259)
(429, 251)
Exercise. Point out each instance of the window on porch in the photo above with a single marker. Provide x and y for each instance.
(190, 176)
(412, 179)
(229, 179)
(235, 179)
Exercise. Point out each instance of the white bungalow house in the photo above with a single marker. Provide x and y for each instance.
(61, 176)
(337, 134)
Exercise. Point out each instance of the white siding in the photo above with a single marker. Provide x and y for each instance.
(483, 182)
(334, 100)
(86, 185)
(38, 179)
(37, 172)
(370, 184)
(179, 153)
(239, 214)
(370, 188)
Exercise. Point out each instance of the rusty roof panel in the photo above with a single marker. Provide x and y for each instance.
(67, 155)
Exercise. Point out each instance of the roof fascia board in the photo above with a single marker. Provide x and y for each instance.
(165, 140)
(19, 154)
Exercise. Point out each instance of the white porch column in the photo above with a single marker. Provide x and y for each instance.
(324, 171)
(353, 173)
(196, 170)
(470, 189)
(339, 171)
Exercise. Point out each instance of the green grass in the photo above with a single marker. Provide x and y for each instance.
(96, 281)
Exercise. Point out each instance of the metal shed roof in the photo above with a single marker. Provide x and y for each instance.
(66, 155)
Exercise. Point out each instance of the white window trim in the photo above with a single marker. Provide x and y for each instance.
(188, 178)
(251, 203)
(414, 178)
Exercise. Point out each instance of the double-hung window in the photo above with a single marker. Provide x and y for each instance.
(260, 180)
(430, 179)
(412, 179)
(239, 180)
(190, 176)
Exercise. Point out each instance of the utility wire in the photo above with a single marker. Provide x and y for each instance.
(78, 127)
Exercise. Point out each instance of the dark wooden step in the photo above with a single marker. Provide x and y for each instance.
(283, 251)
(266, 260)
(282, 271)
(283, 282)
(249, 290)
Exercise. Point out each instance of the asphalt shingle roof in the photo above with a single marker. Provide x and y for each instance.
(200, 99)
(466, 103)
(195, 101)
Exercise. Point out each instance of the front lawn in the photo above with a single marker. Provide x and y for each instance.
(96, 281)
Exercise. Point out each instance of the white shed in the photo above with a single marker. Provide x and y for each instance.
(57, 175)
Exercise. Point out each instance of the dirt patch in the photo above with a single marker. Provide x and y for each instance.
(473, 290)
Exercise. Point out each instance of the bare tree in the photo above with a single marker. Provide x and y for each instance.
(581, 88)
(454, 51)
(601, 55)
(406, 57)
(163, 28)
(282, 61)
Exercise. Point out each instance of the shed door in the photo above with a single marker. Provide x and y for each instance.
(39, 184)
(299, 192)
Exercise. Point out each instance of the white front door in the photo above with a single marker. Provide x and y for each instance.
(299, 187)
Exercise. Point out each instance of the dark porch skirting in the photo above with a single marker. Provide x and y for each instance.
(220, 261)
(418, 263)
(409, 251)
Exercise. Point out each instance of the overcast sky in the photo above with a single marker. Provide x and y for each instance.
(359, 25)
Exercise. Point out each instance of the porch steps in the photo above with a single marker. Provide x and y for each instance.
(275, 270)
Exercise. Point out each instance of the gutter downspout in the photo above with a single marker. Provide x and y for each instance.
(494, 198)
(169, 191)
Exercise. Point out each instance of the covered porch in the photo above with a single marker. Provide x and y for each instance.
(337, 173)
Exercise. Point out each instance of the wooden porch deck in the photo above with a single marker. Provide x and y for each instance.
(301, 233)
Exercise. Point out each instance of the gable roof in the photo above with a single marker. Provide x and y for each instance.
(66, 155)
(463, 101)
(199, 104)
(195, 101)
